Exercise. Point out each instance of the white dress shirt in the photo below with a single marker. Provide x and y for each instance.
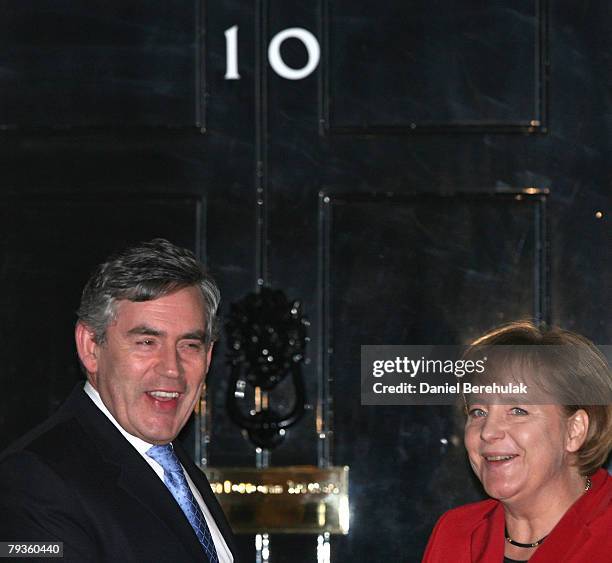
(225, 555)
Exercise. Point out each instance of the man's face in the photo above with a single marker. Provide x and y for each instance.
(150, 370)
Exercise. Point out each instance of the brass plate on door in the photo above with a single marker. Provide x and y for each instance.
(299, 499)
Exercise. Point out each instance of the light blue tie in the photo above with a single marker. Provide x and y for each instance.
(177, 485)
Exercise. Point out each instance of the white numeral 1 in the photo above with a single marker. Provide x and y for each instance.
(231, 47)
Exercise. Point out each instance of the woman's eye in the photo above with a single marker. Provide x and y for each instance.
(477, 413)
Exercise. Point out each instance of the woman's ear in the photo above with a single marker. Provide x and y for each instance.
(577, 429)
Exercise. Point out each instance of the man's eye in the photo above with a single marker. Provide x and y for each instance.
(145, 342)
(193, 346)
(477, 413)
(518, 411)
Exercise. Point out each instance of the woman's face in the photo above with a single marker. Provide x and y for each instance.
(516, 450)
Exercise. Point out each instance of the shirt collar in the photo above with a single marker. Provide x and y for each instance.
(140, 445)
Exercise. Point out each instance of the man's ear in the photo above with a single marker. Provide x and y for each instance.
(577, 429)
(87, 348)
(209, 355)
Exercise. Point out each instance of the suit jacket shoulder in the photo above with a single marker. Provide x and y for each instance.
(76, 479)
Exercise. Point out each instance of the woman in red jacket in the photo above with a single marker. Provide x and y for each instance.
(540, 463)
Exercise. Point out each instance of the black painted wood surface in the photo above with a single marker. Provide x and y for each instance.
(116, 124)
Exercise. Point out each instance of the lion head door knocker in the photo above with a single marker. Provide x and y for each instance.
(267, 337)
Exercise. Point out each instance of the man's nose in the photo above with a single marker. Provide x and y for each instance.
(169, 362)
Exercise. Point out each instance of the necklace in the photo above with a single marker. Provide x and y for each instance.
(536, 543)
(525, 545)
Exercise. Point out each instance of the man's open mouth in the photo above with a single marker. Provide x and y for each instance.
(164, 395)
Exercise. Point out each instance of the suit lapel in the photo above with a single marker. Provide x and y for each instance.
(134, 474)
(141, 482)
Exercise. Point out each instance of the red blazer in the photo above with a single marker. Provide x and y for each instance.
(474, 533)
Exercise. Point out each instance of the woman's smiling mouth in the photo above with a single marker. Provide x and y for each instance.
(499, 457)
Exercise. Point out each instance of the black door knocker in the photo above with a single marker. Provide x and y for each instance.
(267, 336)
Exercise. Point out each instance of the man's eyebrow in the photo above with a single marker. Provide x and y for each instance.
(146, 330)
(150, 331)
(195, 335)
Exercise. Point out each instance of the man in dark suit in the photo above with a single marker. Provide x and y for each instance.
(105, 475)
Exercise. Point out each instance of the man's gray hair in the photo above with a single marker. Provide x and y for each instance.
(142, 273)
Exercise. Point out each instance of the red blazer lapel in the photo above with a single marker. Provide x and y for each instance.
(487, 542)
(571, 540)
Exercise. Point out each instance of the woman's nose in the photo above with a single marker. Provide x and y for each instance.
(493, 428)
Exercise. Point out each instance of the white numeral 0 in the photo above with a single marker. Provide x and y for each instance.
(274, 56)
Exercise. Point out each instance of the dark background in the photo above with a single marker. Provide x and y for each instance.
(445, 169)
